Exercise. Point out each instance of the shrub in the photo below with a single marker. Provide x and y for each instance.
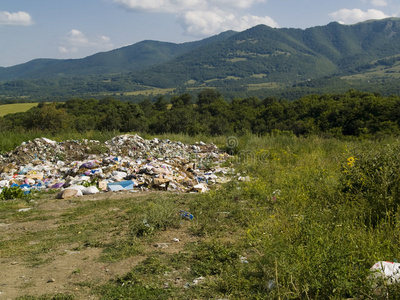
(11, 193)
(372, 179)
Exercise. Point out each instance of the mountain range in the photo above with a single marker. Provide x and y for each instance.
(135, 57)
(258, 60)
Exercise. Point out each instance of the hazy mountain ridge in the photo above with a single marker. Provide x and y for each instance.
(126, 59)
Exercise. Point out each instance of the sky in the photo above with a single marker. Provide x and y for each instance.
(64, 29)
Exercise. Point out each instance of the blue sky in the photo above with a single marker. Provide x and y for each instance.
(64, 29)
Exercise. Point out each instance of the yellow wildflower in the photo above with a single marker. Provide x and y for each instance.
(350, 161)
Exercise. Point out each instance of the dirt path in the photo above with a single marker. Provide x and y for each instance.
(66, 270)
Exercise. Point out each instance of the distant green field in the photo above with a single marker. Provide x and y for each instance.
(155, 91)
(15, 108)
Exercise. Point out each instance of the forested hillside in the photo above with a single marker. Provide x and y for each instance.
(134, 57)
(353, 113)
(265, 55)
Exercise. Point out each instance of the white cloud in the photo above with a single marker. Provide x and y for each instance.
(203, 17)
(178, 6)
(17, 18)
(351, 16)
(379, 2)
(169, 6)
(205, 23)
(76, 40)
(234, 3)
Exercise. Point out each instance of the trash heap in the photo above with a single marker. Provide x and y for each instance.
(126, 162)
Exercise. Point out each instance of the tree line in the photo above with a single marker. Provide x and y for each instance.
(353, 113)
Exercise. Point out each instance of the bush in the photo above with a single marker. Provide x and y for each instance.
(371, 179)
(11, 193)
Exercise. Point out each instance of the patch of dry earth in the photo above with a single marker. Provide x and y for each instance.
(67, 271)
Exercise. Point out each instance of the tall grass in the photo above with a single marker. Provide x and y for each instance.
(306, 236)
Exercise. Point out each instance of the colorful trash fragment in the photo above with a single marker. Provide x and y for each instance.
(186, 215)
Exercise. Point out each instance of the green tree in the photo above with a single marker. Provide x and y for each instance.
(161, 104)
(133, 119)
(147, 107)
(208, 96)
(181, 101)
(51, 118)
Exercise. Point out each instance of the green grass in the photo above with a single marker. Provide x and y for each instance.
(151, 91)
(6, 109)
(311, 220)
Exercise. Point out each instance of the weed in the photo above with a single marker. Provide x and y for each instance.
(372, 178)
(138, 283)
(158, 214)
(121, 249)
(151, 265)
(212, 258)
(96, 149)
(9, 193)
(138, 291)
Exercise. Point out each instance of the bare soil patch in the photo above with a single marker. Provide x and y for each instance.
(70, 268)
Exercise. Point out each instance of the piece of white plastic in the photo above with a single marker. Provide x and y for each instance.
(91, 190)
(388, 270)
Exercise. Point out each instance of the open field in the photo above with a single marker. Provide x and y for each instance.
(152, 91)
(15, 108)
(307, 221)
(267, 85)
(377, 73)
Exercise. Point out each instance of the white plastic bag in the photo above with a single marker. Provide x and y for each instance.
(388, 270)
(91, 190)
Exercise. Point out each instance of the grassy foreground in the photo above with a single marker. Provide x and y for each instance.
(309, 220)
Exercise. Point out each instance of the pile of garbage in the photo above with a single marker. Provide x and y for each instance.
(126, 162)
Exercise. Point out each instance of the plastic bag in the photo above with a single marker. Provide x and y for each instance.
(388, 270)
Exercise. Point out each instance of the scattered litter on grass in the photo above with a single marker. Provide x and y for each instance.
(195, 281)
(198, 280)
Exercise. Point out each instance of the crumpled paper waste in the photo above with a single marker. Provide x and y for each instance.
(125, 162)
